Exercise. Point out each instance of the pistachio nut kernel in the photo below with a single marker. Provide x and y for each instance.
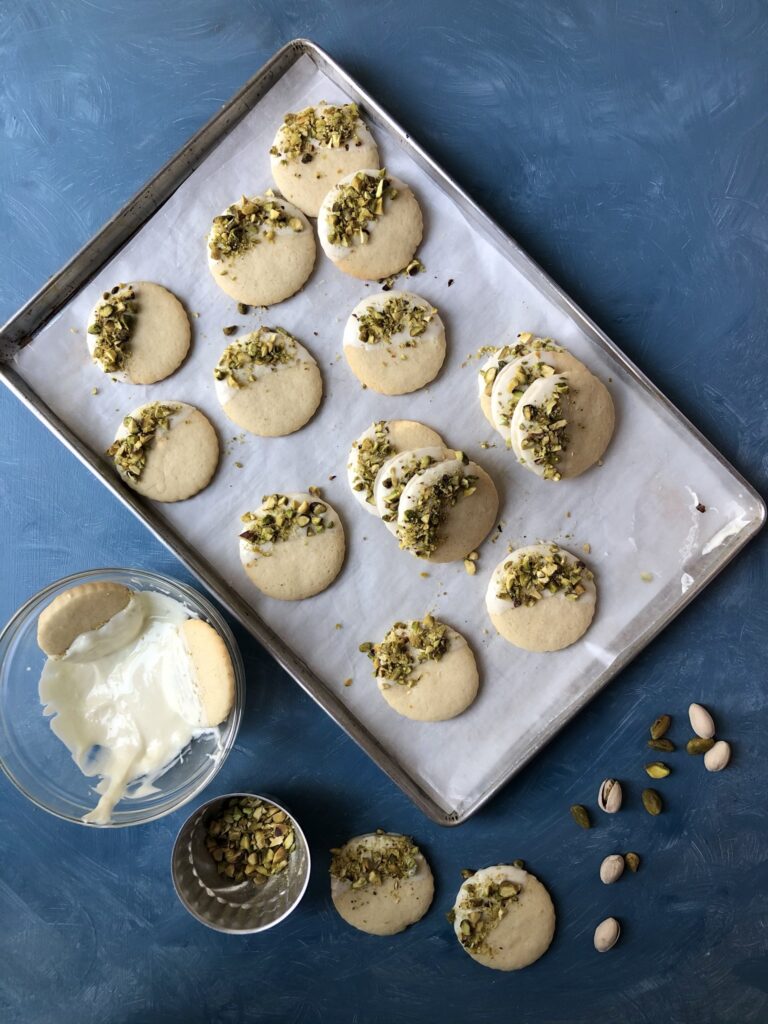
(248, 223)
(544, 430)
(330, 126)
(250, 840)
(361, 865)
(632, 861)
(398, 315)
(609, 796)
(113, 322)
(525, 580)
(356, 205)
(129, 453)
(660, 727)
(482, 905)
(420, 530)
(371, 454)
(699, 745)
(581, 816)
(662, 744)
(657, 770)
(405, 647)
(652, 801)
(269, 346)
(279, 518)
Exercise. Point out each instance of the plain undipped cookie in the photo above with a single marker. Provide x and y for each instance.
(315, 148)
(376, 444)
(521, 935)
(527, 344)
(78, 610)
(394, 342)
(307, 550)
(543, 620)
(261, 250)
(166, 451)
(464, 524)
(389, 905)
(213, 673)
(443, 679)
(378, 217)
(138, 333)
(268, 383)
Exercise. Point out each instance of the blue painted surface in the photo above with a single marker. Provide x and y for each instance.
(625, 146)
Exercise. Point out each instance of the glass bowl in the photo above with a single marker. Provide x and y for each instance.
(41, 766)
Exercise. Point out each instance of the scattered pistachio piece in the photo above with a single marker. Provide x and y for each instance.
(718, 756)
(632, 861)
(609, 796)
(652, 801)
(348, 681)
(702, 722)
(242, 309)
(663, 744)
(470, 567)
(657, 770)
(580, 816)
(646, 577)
(660, 727)
(607, 934)
(699, 745)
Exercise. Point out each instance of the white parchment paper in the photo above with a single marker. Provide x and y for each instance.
(637, 512)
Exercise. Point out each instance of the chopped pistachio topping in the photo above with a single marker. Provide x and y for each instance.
(522, 378)
(420, 530)
(280, 517)
(365, 864)
(372, 453)
(483, 905)
(356, 205)
(525, 580)
(269, 346)
(406, 646)
(112, 326)
(543, 428)
(250, 839)
(130, 452)
(248, 223)
(326, 125)
(398, 315)
(526, 345)
(394, 486)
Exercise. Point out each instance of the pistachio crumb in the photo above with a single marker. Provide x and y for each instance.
(348, 681)
(646, 577)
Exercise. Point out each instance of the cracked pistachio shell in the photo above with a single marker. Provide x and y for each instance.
(702, 722)
(612, 869)
(607, 934)
(609, 796)
(718, 757)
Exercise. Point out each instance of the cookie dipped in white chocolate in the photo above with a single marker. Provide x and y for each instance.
(268, 383)
(376, 444)
(395, 474)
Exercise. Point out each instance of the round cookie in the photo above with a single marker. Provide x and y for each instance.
(551, 598)
(395, 474)
(268, 383)
(166, 451)
(381, 883)
(261, 250)
(78, 610)
(394, 342)
(370, 224)
(426, 671)
(212, 670)
(138, 333)
(527, 344)
(292, 546)
(375, 445)
(525, 929)
(315, 148)
(461, 512)
(562, 424)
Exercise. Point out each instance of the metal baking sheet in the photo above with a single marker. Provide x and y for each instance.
(651, 549)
